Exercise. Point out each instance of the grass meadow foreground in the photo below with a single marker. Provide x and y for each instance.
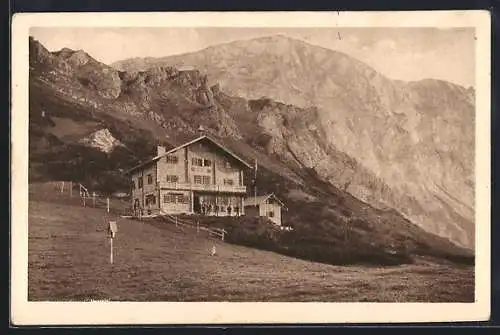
(69, 261)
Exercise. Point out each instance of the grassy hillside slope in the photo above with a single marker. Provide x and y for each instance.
(69, 260)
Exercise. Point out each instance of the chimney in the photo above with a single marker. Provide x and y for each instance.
(201, 131)
(161, 150)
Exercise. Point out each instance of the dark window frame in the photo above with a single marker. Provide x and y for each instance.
(172, 178)
(195, 161)
(172, 159)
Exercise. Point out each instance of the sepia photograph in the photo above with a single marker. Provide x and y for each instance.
(194, 160)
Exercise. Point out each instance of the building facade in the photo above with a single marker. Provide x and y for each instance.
(265, 205)
(198, 177)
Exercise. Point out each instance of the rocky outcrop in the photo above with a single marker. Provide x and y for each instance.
(102, 140)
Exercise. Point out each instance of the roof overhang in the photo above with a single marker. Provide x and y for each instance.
(154, 159)
(142, 165)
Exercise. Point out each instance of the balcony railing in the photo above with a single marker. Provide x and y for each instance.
(203, 187)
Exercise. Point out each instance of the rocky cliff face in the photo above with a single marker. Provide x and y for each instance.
(410, 145)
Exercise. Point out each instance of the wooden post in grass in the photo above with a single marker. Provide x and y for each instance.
(176, 221)
(83, 199)
(71, 189)
(107, 204)
(223, 235)
(93, 199)
(62, 186)
(197, 228)
(111, 252)
(112, 229)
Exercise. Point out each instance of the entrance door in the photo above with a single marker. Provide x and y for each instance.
(196, 204)
(136, 207)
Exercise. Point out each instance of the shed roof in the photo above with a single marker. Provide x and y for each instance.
(260, 199)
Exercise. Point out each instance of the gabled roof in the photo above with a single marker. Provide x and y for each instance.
(260, 199)
(156, 158)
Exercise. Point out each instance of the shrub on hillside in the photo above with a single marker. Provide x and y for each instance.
(319, 243)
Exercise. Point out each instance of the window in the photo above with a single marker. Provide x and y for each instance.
(172, 179)
(168, 198)
(178, 198)
(172, 159)
(201, 162)
(227, 165)
(139, 182)
(228, 182)
(270, 214)
(197, 161)
(150, 179)
(201, 179)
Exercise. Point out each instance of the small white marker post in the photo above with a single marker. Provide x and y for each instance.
(213, 252)
(197, 228)
(93, 199)
(62, 187)
(107, 204)
(71, 189)
(112, 229)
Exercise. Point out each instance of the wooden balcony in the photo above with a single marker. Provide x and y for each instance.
(203, 187)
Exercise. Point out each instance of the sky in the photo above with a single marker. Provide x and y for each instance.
(398, 53)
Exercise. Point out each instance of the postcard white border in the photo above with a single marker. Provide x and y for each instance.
(114, 313)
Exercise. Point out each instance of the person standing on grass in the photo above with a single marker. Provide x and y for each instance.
(209, 209)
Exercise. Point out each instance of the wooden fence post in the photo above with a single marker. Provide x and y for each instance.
(176, 221)
(223, 234)
(71, 189)
(111, 251)
(62, 186)
(93, 199)
(197, 228)
(107, 204)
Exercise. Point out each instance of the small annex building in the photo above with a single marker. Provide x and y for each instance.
(265, 205)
